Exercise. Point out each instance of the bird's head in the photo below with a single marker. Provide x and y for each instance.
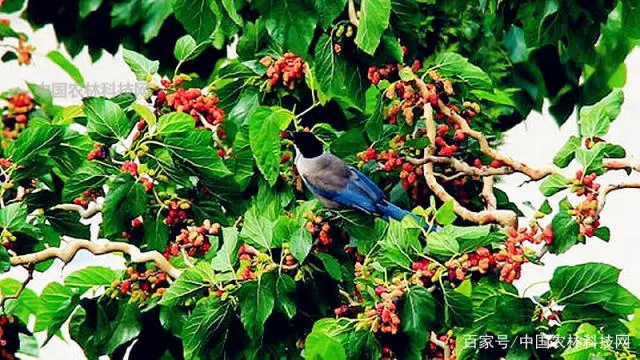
(305, 142)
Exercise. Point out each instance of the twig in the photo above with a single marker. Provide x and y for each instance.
(3, 301)
(461, 166)
(67, 253)
(441, 344)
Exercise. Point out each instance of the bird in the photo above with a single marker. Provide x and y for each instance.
(336, 184)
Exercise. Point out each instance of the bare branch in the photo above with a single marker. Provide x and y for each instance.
(67, 253)
(602, 196)
(487, 193)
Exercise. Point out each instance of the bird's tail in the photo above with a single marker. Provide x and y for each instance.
(388, 210)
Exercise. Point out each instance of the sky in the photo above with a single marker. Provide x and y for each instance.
(534, 141)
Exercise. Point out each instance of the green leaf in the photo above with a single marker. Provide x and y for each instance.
(56, 305)
(300, 243)
(145, 113)
(257, 229)
(623, 302)
(66, 65)
(349, 143)
(452, 65)
(195, 149)
(331, 265)
(196, 16)
(591, 159)
(603, 233)
(13, 217)
(586, 284)
(589, 349)
(156, 231)
(174, 123)
(128, 326)
(319, 346)
(157, 12)
(5, 260)
(285, 288)
(374, 19)
(191, 283)
(125, 200)
(141, 66)
(41, 95)
(328, 10)
(553, 184)
(419, 315)
(86, 7)
(187, 49)
(290, 24)
(89, 175)
(445, 214)
(566, 233)
(595, 119)
(208, 321)
(516, 45)
(458, 308)
(35, 141)
(106, 122)
(442, 245)
(226, 257)
(264, 136)
(85, 279)
(257, 300)
(338, 78)
(564, 157)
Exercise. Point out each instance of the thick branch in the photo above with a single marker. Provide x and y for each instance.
(93, 209)
(488, 196)
(461, 166)
(622, 164)
(67, 253)
(502, 217)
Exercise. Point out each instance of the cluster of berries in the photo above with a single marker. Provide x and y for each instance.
(424, 272)
(406, 97)
(388, 72)
(322, 232)
(194, 240)
(5, 22)
(98, 152)
(383, 317)
(512, 256)
(7, 349)
(8, 239)
(177, 212)
(135, 229)
(586, 213)
(288, 260)
(130, 167)
(411, 177)
(342, 35)
(25, 51)
(253, 263)
(481, 260)
(87, 197)
(289, 70)
(140, 285)
(16, 117)
(437, 353)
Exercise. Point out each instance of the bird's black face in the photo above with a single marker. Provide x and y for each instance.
(308, 145)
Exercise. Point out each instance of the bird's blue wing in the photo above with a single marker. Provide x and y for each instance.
(360, 192)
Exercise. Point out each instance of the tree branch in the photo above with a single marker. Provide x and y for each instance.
(90, 211)
(353, 13)
(67, 253)
(3, 301)
(602, 196)
(502, 217)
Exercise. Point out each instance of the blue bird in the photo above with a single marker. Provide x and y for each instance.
(336, 184)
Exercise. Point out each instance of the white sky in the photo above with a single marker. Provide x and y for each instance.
(534, 141)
